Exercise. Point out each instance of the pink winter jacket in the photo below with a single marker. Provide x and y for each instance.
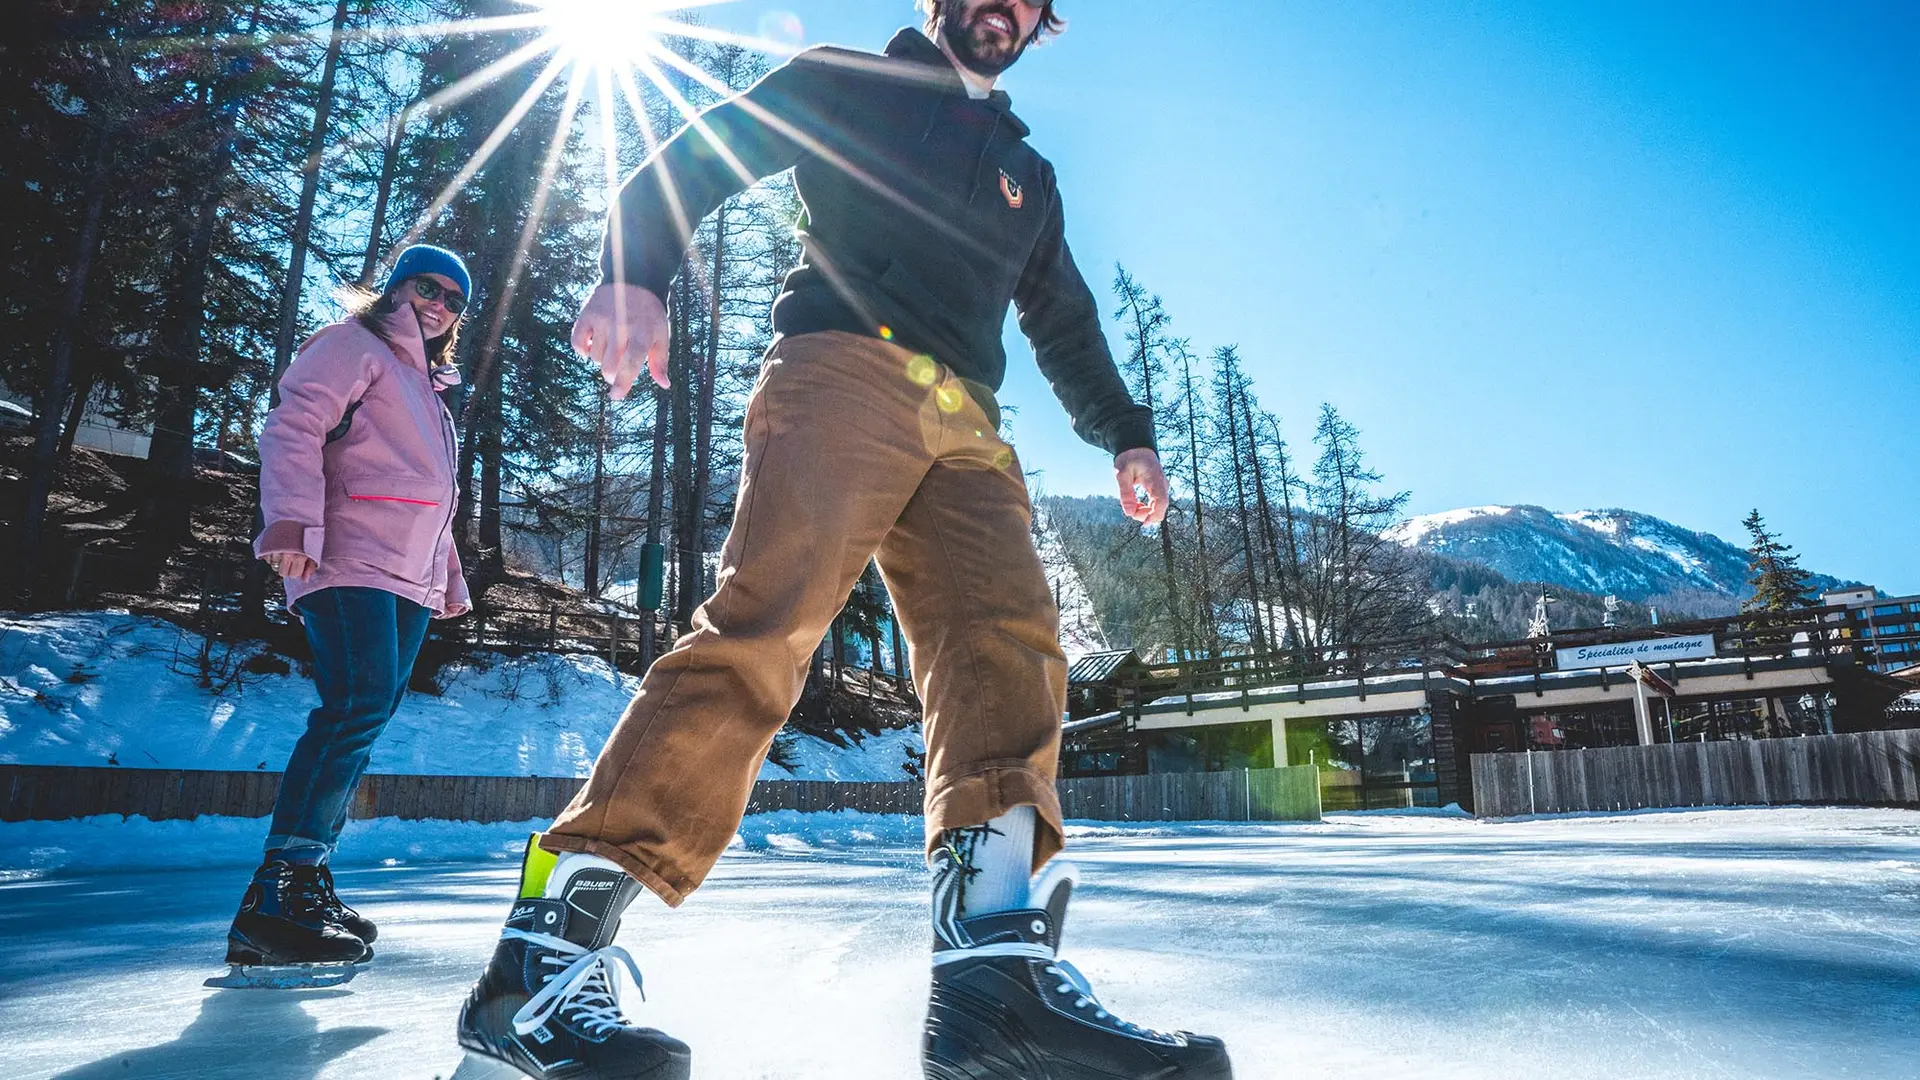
(374, 508)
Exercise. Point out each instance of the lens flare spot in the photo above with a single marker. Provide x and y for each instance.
(949, 398)
(1003, 459)
(886, 333)
(784, 27)
(922, 370)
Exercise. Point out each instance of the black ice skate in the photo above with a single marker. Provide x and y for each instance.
(345, 917)
(1005, 1007)
(284, 937)
(548, 1004)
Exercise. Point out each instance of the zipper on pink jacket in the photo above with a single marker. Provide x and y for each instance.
(392, 498)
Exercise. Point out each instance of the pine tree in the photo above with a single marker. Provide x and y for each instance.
(1144, 321)
(1233, 430)
(1360, 586)
(1779, 584)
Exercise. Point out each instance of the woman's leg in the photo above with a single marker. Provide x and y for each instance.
(410, 633)
(355, 637)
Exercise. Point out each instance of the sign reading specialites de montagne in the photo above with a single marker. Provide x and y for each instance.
(1622, 653)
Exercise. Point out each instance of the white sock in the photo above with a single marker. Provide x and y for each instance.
(998, 863)
(572, 863)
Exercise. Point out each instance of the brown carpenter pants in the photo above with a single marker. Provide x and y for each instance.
(855, 448)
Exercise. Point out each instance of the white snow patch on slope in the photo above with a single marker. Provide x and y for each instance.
(1415, 529)
(91, 688)
(1606, 524)
(1080, 631)
(1688, 563)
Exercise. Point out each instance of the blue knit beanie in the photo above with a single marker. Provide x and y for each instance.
(427, 259)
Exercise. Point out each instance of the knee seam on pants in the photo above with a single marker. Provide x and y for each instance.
(752, 487)
(964, 611)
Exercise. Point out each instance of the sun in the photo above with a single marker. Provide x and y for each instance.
(598, 34)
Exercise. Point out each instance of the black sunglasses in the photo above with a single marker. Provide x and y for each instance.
(450, 299)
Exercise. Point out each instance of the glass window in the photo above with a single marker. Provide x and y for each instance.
(1889, 609)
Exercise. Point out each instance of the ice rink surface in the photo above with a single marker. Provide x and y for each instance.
(1749, 944)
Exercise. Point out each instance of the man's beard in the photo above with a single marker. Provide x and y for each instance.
(976, 47)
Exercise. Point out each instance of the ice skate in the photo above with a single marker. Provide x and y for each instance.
(548, 1005)
(1004, 1006)
(283, 937)
(345, 917)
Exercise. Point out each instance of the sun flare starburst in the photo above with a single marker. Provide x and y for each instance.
(605, 33)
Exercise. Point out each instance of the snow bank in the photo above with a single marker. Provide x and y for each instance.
(111, 843)
(99, 688)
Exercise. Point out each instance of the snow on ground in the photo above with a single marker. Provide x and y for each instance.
(1755, 944)
(95, 688)
(1415, 529)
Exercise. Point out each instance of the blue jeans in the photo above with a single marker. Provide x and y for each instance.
(364, 643)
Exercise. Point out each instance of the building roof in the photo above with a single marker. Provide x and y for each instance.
(1100, 666)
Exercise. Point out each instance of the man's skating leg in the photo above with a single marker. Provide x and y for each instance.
(837, 438)
(835, 446)
(980, 618)
(549, 1003)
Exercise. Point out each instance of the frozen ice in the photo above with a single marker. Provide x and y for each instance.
(1769, 943)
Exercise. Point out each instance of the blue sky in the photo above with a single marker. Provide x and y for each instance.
(1663, 256)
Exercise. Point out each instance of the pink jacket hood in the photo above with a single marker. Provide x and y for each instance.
(375, 506)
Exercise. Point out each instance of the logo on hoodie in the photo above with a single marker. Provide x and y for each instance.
(1016, 195)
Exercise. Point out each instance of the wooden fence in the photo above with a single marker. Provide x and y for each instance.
(1285, 794)
(56, 793)
(1872, 768)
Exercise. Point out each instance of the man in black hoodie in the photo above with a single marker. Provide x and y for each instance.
(872, 434)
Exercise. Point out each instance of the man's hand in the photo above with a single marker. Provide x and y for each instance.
(291, 565)
(623, 328)
(1137, 469)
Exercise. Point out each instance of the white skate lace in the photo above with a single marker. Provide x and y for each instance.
(1071, 981)
(586, 991)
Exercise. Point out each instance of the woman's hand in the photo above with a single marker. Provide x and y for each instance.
(291, 564)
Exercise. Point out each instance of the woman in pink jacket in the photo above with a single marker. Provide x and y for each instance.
(357, 491)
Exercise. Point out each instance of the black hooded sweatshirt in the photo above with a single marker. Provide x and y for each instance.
(926, 214)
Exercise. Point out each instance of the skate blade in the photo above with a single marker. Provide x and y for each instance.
(480, 1067)
(283, 976)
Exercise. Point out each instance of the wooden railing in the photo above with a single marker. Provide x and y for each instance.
(1819, 632)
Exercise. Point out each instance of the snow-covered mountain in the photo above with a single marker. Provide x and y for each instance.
(1632, 555)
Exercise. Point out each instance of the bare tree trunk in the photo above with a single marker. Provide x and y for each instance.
(382, 193)
(590, 569)
(703, 419)
(1302, 632)
(53, 396)
(1209, 624)
(303, 216)
(1228, 401)
(686, 516)
(656, 497)
(76, 412)
(166, 509)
